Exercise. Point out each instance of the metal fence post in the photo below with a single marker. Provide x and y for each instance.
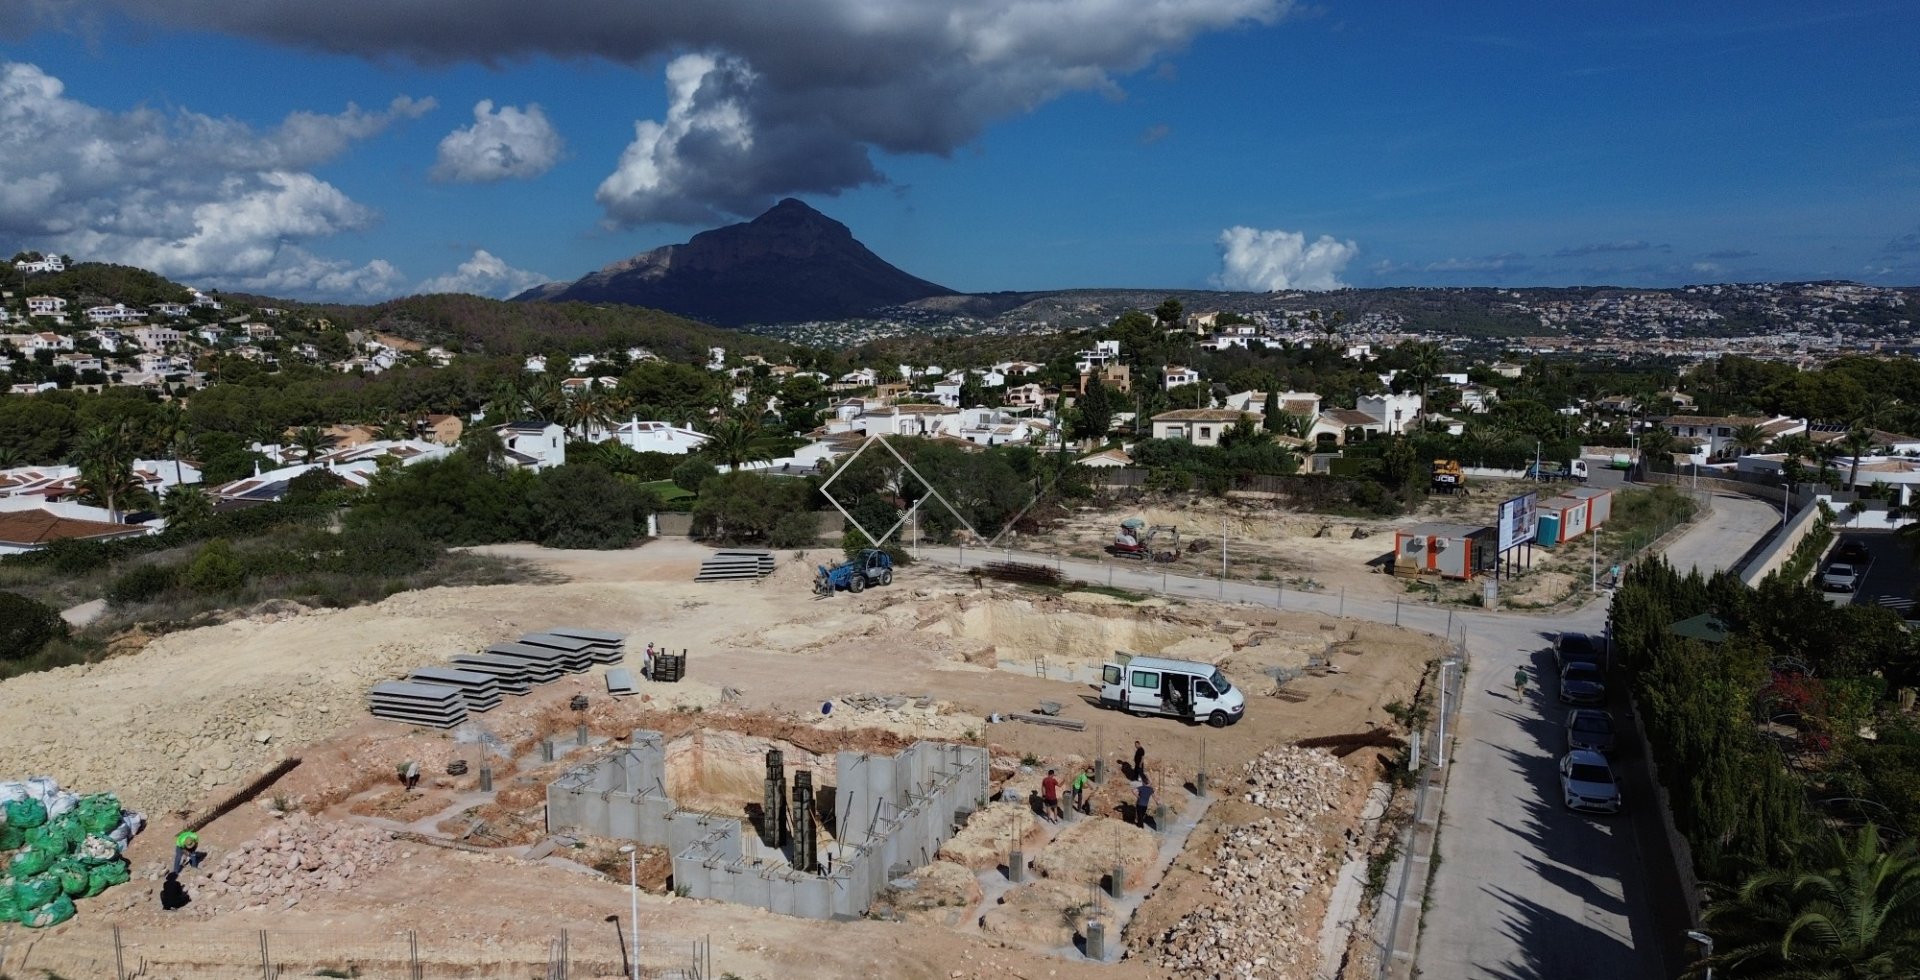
(266, 961)
(119, 957)
(413, 956)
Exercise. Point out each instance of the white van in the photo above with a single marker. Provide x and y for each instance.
(1175, 688)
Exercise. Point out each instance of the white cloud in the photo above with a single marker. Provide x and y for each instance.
(1264, 261)
(187, 195)
(485, 274)
(509, 142)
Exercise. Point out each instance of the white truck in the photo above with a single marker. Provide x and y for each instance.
(1174, 688)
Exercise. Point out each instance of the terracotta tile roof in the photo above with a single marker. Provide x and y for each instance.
(27, 528)
(1205, 415)
(1350, 416)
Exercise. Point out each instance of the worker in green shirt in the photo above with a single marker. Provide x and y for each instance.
(186, 850)
(1079, 791)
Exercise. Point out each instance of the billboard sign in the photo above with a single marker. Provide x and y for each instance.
(1519, 518)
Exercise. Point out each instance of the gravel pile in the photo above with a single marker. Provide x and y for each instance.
(1271, 876)
(292, 859)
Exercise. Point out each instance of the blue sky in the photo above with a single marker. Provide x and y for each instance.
(984, 144)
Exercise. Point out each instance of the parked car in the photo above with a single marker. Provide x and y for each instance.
(1853, 551)
(1591, 729)
(1577, 648)
(1840, 577)
(1587, 783)
(1582, 683)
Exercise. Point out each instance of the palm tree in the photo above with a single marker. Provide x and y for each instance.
(732, 442)
(310, 440)
(1749, 438)
(1658, 443)
(1425, 364)
(1827, 454)
(1852, 910)
(105, 454)
(186, 506)
(1857, 441)
(9, 457)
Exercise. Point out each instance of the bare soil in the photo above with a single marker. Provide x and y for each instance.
(177, 726)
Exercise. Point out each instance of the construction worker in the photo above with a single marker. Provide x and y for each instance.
(1079, 791)
(186, 850)
(1139, 759)
(1050, 797)
(410, 776)
(1145, 796)
(1519, 683)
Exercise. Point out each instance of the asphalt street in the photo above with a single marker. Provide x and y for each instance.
(1524, 888)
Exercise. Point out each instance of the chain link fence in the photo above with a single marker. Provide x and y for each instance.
(199, 951)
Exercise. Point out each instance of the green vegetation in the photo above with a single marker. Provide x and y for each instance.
(1767, 743)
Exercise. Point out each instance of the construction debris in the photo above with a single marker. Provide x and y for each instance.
(1264, 872)
(291, 859)
(1071, 724)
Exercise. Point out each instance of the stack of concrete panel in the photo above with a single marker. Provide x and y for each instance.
(509, 672)
(577, 654)
(481, 690)
(543, 663)
(732, 565)
(608, 647)
(433, 705)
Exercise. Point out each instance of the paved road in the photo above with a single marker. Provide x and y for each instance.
(1722, 537)
(1524, 889)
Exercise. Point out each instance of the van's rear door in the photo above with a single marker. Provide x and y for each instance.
(1143, 690)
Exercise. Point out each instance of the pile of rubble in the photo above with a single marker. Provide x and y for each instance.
(1271, 875)
(292, 859)
(902, 714)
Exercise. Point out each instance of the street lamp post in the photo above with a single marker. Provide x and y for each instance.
(633, 912)
(1706, 947)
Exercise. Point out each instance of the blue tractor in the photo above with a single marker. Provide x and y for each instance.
(869, 567)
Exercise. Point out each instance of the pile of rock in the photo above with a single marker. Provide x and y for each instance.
(1272, 876)
(292, 859)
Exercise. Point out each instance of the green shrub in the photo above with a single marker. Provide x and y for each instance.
(588, 507)
(385, 549)
(691, 474)
(795, 529)
(142, 583)
(26, 625)
(214, 569)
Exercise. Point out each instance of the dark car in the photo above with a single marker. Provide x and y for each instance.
(1852, 551)
(1576, 648)
(1591, 729)
(1582, 683)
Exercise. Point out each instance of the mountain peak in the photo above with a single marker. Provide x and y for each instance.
(788, 264)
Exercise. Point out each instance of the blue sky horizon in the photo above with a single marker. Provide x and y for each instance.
(358, 150)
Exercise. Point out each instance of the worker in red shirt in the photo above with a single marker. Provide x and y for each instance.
(1050, 798)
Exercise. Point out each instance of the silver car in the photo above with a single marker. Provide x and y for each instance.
(1586, 783)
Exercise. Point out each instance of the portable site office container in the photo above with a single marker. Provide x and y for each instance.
(1458, 551)
(1599, 505)
(1562, 519)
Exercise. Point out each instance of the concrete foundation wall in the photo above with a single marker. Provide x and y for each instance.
(895, 812)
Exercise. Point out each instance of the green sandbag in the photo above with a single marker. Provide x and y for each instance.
(106, 876)
(63, 832)
(9, 909)
(31, 893)
(26, 814)
(99, 813)
(45, 837)
(73, 877)
(29, 861)
(11, 837)
(51, 914)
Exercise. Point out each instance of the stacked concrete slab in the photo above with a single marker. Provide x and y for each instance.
(475, 681)
(433, 705)
(894, 814)
(509, 672)
(735, 565)
(603, 646)
(481, 691)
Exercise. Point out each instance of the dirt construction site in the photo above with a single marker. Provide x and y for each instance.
(1248, 863)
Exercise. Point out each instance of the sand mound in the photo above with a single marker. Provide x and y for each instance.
(1051, 913)
(990, 833)
(1091, 848)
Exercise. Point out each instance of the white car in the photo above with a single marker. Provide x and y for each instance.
(1840, 577)
(1587, 783)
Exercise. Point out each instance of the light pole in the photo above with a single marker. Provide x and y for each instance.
(1706, 947)
(633, 913)
(1440, 740)
(1593, 575)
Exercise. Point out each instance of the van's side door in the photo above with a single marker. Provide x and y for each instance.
(1143, 690)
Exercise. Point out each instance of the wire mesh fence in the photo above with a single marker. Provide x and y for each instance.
(198, 951)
